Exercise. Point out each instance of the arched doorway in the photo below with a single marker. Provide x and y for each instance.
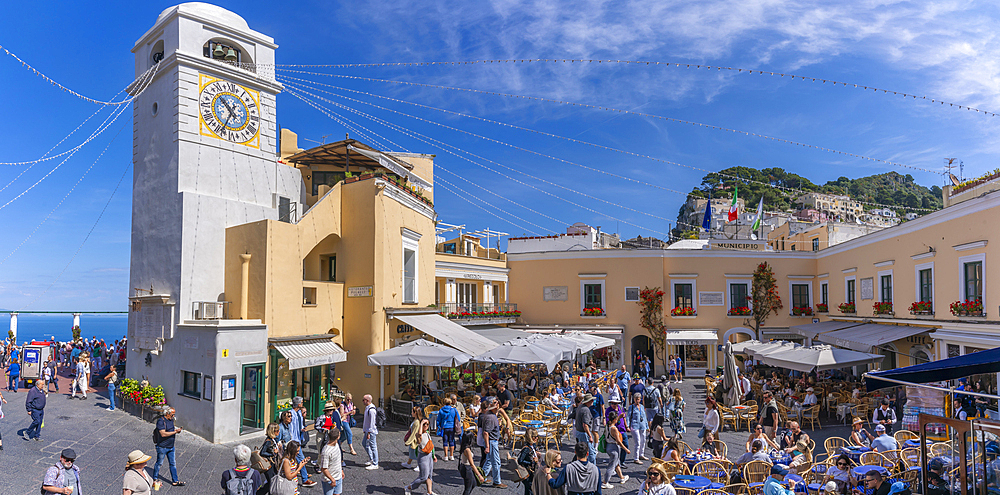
(919, 356)
(642, 344)
(739, 330)
(889, 351)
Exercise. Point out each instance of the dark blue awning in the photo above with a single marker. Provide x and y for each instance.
(987, 361)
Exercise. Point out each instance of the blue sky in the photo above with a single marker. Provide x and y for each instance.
(946, 50)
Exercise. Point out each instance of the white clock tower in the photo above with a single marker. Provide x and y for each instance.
(205, 159)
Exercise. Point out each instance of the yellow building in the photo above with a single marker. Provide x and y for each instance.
(942, 257)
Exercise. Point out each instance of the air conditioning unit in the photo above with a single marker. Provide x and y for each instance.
(208, 310)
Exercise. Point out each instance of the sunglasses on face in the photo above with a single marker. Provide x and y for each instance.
(652, 473)
(841, 463)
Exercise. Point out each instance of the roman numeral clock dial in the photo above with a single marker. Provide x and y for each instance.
(229, 111)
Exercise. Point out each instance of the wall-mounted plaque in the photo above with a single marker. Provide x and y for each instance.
(711, 298)
(867, 288)
(555, 293)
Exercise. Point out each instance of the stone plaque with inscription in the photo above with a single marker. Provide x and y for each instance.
(867, 288)
(555, 293)
(711, 298)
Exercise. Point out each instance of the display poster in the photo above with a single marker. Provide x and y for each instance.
(228, 387)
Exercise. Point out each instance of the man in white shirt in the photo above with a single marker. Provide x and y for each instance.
(370, 441)
(884, 416)
(745, 388)
(512, 384)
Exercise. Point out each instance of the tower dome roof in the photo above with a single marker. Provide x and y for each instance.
(208, 11)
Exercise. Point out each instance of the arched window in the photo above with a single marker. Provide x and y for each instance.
(227, 52)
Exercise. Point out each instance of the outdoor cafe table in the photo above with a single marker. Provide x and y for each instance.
(914, 443)
(696, 483)
(858, 473)
(780, 457)
(854, 452)
(693, 458)
(799, 485)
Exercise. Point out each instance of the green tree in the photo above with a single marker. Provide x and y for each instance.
(764, 293)
(76, 332)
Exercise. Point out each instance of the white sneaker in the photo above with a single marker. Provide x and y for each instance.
(624, 479)
(416, 468)
(606, 486)
(406, 491)
(369, 463)
(372, 467)
(407, 465)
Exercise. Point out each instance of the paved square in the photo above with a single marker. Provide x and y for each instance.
(103, 438)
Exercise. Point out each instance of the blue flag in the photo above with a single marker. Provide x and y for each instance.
(706, 223)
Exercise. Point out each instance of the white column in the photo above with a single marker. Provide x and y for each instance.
(488, 292)
(13, 325)
(76, 319)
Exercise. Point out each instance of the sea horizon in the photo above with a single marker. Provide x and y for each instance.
(35, 326)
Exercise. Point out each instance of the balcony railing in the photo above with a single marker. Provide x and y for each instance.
(458, 311)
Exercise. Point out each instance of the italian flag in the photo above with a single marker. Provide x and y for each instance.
(733, 210)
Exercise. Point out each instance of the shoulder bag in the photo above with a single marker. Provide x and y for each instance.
(428, 447)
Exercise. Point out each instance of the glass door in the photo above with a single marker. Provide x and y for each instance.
(252, 410)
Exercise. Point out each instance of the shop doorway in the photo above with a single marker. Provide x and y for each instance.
(643, 345)
(252, 396)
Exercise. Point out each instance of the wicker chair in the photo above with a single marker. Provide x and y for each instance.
(721, 448)
(833, 445)
(712, 470)
(737, 489)
(684, 491)
(873, 459)
(673, 468)
(757, 489)
(713, 491)
(755, 472)
(939, 449)
(910, 457)
(812, 415)
(902, 436)
(813, 482)
(683, 447)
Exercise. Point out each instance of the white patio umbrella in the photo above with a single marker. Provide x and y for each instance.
(818, 357)
(745, 346)
(590, 341)
(419, 353)
(568, 347)
(520, 351)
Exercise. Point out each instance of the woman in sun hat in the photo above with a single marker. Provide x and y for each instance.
(137, 481)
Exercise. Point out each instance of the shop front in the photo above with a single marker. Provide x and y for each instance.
(302, 366)
(696, 347)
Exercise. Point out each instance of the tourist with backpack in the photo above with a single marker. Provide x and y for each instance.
(652, 399)
(242, 479)
(370, 428)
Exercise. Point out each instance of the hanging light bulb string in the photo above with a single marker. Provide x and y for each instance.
(632, 153)
(445, 146)
(147, 76)
(630, 112)
(64, 88)
(739, 70)
(63, 200)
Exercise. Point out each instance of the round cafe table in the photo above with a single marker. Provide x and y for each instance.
(914, 444)
(695, 483)
(693, 458)
(799, 485)
(854, 452)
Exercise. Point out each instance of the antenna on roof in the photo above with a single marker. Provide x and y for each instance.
(949, 164)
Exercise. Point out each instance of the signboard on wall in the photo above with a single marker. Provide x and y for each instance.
(555, 293)
(365, 291)
(867, 288)
(711, 298)
(229, 387)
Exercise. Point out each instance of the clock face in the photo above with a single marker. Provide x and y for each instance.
(229, 111)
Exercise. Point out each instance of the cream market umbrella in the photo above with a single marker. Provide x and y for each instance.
(520, 351)
(817, 357)
(554, 342)
(589, 342)
(419, 353)
(731, 376)
(746, 346)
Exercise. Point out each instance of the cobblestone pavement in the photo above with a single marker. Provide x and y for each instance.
(103, 438)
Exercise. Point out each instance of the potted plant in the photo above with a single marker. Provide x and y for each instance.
(848, 307)
(882, 308)
(802, 311)
(970, 307)
(740, 311)
(683, 312)
(922, 308)
(593, 312)
(822, 308)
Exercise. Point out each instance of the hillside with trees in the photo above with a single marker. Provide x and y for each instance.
(899, 192)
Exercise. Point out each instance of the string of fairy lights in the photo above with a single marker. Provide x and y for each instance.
(305, 90)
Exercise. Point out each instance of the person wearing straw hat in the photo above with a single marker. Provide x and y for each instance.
(137, 481)
(64, 476)
(859, 435)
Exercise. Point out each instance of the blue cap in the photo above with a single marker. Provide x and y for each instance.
(779, 470)
(897, 487)
(935, 464)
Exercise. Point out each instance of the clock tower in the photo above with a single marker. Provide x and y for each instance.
(205, 159)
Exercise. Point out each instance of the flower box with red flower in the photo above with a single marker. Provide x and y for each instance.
(740, 311)
(822, 308)
(593, 312)
(882, 308)
(683, 312)
(922, 308)
(848, 307)
(802, 311)
(970, 307)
